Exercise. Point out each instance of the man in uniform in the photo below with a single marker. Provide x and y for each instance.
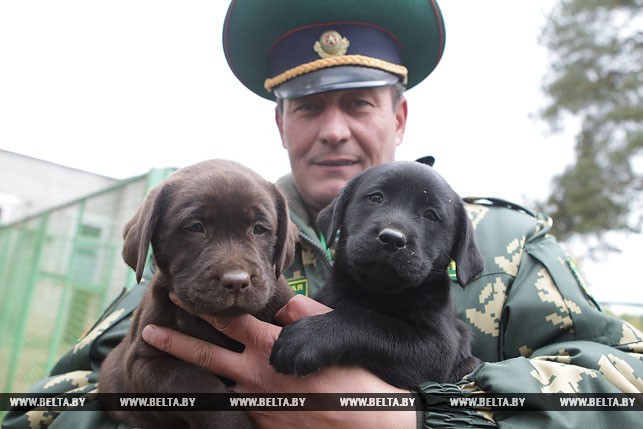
(337, 70)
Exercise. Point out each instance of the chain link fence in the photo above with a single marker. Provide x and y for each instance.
(58, 271)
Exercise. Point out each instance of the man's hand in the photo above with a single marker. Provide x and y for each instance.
(253, 374)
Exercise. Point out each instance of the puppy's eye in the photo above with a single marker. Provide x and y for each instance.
(376, 197)
(432, 215)
(196, 227)
(259, 230)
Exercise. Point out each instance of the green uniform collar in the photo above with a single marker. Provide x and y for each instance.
(299, 215)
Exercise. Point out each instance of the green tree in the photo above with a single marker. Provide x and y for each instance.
(596, 76)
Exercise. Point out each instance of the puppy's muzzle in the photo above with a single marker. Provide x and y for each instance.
(391, 239)
(235, 281)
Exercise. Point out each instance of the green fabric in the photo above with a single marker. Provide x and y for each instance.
(312, 263)
(533, 323)
(537, 329)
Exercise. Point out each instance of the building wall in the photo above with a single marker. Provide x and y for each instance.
(30, 185)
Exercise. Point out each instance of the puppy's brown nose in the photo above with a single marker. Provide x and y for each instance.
(235, 280)
(392, 239)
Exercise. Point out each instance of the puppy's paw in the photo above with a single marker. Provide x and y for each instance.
(302, 349)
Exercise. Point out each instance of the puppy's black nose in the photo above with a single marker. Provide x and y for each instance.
(392, 239)
(235, 280)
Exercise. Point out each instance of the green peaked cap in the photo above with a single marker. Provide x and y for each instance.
(299, 47)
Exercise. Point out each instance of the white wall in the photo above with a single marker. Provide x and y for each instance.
(29, 185)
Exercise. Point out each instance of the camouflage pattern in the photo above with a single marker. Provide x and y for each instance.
(534, 324)
(537, 329)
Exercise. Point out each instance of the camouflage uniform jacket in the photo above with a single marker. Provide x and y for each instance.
(534, 325)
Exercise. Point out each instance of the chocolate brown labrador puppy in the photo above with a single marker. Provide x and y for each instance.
(400, 225)
(221, 237)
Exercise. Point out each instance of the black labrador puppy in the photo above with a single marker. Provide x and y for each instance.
(221, 237)
(400, 225)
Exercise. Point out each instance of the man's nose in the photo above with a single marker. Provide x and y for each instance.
(335, 127)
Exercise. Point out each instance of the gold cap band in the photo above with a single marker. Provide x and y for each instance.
(344, 60)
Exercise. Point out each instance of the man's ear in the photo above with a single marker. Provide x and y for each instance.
(279, 121)
(401, 113)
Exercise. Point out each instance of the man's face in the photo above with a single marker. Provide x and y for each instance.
(332, 136)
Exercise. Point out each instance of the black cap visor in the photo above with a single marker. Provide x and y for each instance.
(333, 79)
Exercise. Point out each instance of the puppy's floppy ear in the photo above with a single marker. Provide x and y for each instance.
(332, 216)
(138, 232)
(468, 259)
(286, 233)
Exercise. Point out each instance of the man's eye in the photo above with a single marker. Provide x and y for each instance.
(196, 227)
(361, 102)
(306, 107)
(259, 230)
(376, 197)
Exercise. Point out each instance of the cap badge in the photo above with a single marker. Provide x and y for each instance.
(331, 44)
